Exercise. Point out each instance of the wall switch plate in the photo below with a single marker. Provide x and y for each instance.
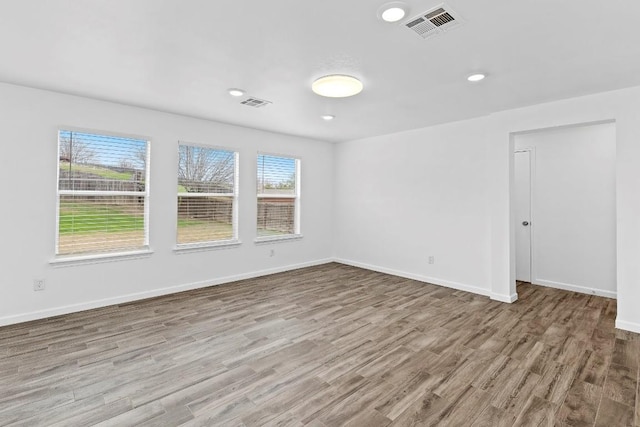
(38, 285)
(432, 259)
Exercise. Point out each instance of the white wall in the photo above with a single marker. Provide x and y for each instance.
(573, 207)
(446, 191)
(404, 197)
(30, 119)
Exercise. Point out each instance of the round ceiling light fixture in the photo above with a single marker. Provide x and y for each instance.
(337, 86)
(236, 92)
(392, 12)
(476, 77)
(328, 117)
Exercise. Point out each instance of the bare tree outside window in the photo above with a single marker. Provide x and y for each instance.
(205, 170)
(75, 150)
(206, 194)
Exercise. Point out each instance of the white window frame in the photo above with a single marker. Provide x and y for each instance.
(297, 202)
(93, 257)
(212, 244)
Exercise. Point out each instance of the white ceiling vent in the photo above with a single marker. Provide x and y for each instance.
(255, 102)
(434, 21)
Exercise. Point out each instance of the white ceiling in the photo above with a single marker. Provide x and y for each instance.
(182, 55)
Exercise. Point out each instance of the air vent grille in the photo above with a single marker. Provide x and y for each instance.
(434, 21)
(435, 13)
(440, 20)
(255, 102)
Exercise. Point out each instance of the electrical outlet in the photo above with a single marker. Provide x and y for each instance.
(432, 259)
(272, 253)
(38, 285)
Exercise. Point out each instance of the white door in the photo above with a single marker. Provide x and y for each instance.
(522, 174)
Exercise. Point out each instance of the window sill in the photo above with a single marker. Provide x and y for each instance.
(199, 247)
(276, 239)
(66, 261)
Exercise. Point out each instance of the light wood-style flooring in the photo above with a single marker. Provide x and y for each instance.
(330, 345)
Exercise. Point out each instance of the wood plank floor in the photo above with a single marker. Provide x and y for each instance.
(325, 346)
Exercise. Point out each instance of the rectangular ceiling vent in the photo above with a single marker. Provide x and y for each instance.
(255, 102)
(434, 21)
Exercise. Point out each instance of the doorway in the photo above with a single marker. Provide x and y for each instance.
(563, 208)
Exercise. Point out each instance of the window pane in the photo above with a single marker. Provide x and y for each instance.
(205, 170)
(276, 216)
(276, 175)
(90, 162)
(99, 220)
(100, 223)
(206, 194)
(203, 219)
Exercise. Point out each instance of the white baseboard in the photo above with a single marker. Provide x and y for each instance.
(433, 280)
(73, 308)
(504, 298)
(628, 326)
(575, 288)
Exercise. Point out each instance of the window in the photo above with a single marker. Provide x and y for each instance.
(102, 193)
(207, 195)
(278, 196)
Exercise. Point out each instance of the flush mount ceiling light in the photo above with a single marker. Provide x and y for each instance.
(476, 77)
(236, 92)
(328, 117)
(337, 86)
(392, 12)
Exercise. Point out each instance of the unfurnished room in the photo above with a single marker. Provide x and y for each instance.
(332, 213)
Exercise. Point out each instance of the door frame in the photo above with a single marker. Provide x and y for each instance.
(532, 175)
(511, 260)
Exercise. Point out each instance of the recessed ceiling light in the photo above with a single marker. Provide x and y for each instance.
(236, 92)
(328, 117)
(337, 86)
(474, 78)
(392, 12)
